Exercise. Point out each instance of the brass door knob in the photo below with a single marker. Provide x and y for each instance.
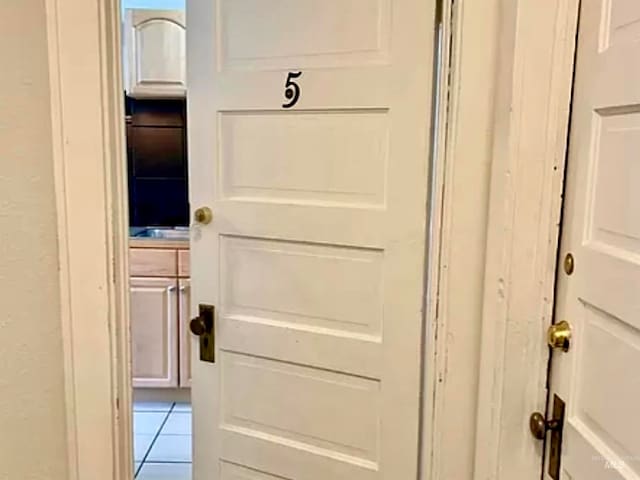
(559, 335)
(538, 425)
(198, 326)
(203, 215)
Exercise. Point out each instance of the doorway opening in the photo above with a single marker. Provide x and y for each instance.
(153, 65)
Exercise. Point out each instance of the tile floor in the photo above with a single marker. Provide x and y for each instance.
(162, 441)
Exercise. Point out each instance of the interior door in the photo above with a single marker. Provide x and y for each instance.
(309, 141)
(599, 377)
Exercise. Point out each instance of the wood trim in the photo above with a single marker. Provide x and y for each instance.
(537, 43)
(432, 371)
(90, 177)
(460, 272)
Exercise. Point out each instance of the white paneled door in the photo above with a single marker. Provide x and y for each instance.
(599, 377)
(309, 140)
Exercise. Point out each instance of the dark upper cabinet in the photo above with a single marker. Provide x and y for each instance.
(158, 152)
(157, 158)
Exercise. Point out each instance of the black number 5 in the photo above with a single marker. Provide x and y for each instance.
(292, 90)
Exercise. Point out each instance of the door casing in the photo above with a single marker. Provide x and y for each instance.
(496, 131)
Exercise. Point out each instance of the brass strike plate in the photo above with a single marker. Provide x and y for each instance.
(208, 338)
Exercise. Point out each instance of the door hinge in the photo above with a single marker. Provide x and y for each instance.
(539, 427)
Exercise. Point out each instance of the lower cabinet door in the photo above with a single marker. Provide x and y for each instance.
(154, 331)
(184, 333)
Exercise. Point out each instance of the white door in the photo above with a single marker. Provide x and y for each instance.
(315, 258)
(599, 377)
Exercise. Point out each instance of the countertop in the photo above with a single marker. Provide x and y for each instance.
(151, 242)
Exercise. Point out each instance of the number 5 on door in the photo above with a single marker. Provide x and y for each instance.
(292, 90)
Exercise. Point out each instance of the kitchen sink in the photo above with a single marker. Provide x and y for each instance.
(165, 233)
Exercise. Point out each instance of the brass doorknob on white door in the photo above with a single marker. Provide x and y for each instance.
(559, 336)
(203, 215)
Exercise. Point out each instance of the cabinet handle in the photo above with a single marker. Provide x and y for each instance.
(171, 288)
(184, 288)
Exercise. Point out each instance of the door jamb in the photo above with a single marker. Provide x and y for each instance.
(87, 117)
(532, 106)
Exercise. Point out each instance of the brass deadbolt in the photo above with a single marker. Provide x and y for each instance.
(559, 335)
(203, 215)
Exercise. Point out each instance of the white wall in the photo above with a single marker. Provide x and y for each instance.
(32, 410)
(155, 4)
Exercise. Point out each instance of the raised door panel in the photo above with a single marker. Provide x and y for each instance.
(154, 332)
(184, 333)
(156, 52)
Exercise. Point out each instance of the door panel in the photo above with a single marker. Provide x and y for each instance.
(302, 33)
(154, 332)
(598, 377)
(318, 410)
(306, 157)
(315, 255)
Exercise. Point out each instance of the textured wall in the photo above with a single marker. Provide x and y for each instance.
(32, 411)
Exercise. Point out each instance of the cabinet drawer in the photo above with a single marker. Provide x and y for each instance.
(148, 262)
(184, 267)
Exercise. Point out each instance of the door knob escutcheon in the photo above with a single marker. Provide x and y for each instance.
(203, 327)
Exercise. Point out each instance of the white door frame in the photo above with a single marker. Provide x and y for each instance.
(517, 135)
(532, 110)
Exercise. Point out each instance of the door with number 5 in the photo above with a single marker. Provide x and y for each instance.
(310, 143)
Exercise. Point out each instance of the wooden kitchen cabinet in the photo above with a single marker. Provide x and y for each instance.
(184, 333)
(160, 314)
(154, 331)
(155, 53)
